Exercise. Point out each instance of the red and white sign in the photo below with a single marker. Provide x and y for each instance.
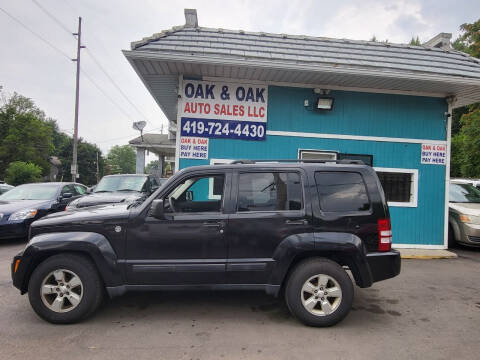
(193, 147)
(435, 154)
(224, 101)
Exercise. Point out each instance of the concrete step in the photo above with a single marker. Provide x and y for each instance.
(426, 254)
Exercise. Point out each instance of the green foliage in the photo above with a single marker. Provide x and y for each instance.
(469, 139)
(19, 172)
(415, 41)
(121, 160)
(26, 134)
(469, 41)
(465, 159)
(152, 167)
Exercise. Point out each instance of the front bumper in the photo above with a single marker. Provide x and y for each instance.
(470, 234)
(13, 230)
(19, 276)
(384, 265)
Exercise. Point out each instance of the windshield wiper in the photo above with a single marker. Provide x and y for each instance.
(101, 191)
(127, 190)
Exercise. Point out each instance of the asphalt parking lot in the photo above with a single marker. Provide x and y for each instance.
(431, 311)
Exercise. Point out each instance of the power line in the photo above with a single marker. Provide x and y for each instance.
(35, 34)
(64, 54)
(51, 16)
(115, 84)
(94, 58)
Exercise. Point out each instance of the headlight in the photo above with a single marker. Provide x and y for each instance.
(23, 214)
(471, 219)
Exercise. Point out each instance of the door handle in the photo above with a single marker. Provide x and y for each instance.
(213, 224)
(296, 222)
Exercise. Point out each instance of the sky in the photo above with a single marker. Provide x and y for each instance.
(34, 69)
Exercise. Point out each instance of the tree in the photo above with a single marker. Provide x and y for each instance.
(374, 38)
(152, 167)
(24, 135)
(19, 172)
(415, 41)
(469, 41)
(121, 160)
(465, 120)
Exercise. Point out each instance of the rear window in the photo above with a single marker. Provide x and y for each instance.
(269, 191)
(341, 192)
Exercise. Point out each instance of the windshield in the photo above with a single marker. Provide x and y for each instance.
(31, 192)
(464, 193)
(120, 183)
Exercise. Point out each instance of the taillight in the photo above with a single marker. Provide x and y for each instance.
(384, 235)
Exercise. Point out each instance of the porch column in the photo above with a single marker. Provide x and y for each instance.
(140, 161)
(161, 164)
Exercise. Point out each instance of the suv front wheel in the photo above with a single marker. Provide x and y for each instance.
(65, 288)
(319, 292)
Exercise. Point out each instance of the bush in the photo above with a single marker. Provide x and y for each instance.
(19, 172)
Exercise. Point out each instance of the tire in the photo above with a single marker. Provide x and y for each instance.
(312, 275)
(451, 237)
(72, 289)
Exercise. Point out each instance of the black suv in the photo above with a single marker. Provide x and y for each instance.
(291, 228)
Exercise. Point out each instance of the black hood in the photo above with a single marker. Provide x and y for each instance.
(95, 215)
(8, 207)
(107, 198)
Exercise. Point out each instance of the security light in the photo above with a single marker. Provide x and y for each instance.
(324, 103)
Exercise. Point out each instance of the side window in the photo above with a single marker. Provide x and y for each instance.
(193, 195)
(68, 189)
(341, 191)
(80, 189)
(269, 191)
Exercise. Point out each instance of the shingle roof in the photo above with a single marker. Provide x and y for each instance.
(335, 53)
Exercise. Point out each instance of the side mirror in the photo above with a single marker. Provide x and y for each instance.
(156, 210)
(67, 195)
(189, 195)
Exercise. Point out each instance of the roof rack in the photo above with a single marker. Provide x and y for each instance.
(346, 161)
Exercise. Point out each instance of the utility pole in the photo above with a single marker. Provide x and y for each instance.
(98, 172)
(74, 169)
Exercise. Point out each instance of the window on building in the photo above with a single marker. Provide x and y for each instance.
(366, 159)
(317, 155)
(269, 191)
(396, 185)
(341, 191)
(399, 185)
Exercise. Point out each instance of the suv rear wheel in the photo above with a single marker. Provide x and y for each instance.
(65, 288)
(319, 292)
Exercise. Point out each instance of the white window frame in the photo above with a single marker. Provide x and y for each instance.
(319, 152)
(413, 190)
(210, 183)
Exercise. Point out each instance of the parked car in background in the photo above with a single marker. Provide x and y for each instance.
(464, 214)
(474, 182)
(26, 203)
(4, 188)
(122, 188)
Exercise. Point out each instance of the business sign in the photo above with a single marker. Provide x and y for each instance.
(435, 154)
(224, 110)
(193, 147)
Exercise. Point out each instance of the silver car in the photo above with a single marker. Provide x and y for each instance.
(464, 214)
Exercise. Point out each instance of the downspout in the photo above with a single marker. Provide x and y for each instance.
(179, 111)
(451, 103)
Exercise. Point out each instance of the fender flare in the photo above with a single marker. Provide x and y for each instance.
(346, 247)
(91, 244)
